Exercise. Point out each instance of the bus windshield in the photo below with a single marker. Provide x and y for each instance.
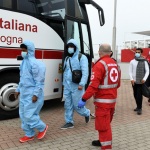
(51, 8)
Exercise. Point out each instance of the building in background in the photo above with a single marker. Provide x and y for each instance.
(127, 54)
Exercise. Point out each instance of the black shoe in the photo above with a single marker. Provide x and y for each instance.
(96, 143)
(87, 119)
(67, 125)
(139, 112)
(136, 109)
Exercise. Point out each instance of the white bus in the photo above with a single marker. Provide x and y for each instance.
(49, 24)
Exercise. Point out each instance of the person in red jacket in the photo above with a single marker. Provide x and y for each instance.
(105, 80)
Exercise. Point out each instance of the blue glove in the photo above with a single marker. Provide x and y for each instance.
(81, 103)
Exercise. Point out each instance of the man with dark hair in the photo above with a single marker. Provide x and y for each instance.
(30, 89)
(138, 72)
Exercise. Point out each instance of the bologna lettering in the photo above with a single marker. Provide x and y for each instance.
(10, 40)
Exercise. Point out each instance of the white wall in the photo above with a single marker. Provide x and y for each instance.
(124, 70)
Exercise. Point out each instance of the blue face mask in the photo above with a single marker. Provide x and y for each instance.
(137, 55)
(70, 50)
(23, 54)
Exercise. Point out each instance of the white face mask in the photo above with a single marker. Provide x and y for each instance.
(23, 54)
(70, 50)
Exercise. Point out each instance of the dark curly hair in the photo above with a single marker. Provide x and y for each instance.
(140, 49)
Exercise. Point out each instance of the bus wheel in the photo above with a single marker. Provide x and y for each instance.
(8, 104)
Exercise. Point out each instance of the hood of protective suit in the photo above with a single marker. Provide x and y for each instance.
(74, 42)
(30, 48)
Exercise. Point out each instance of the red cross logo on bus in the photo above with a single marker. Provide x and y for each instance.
(113, 74)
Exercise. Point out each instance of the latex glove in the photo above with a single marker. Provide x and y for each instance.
(81, 103)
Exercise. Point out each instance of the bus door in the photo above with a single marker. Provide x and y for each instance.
(75, 29)
(77, 26)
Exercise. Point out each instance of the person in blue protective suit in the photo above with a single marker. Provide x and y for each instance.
(30, 89)
(74, 91)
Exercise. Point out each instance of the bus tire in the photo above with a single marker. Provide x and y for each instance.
(9, 106)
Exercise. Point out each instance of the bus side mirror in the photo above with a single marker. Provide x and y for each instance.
(101, 17)
(100, 10)
(19, 57)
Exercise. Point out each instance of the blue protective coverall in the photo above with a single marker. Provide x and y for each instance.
(71, 93)
(32, 76)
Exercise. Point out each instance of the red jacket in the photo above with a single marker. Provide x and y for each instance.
(105, 79)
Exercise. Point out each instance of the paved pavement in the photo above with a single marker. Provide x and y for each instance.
(130, 131)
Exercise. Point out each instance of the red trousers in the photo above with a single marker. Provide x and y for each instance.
(103, 125)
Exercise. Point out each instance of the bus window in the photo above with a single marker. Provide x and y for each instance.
(78, 12)
(85, 39)
(6, 3)
(74, 9)
(26, 6)
(52, 8)
(73, 32)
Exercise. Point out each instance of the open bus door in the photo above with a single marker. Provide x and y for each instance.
(79, 31)
(77, 27)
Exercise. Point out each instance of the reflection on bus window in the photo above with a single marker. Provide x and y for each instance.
(73, 32)
(52, 8)
(78, 12)
(85, 39)
(6, 3)
(26, 6)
